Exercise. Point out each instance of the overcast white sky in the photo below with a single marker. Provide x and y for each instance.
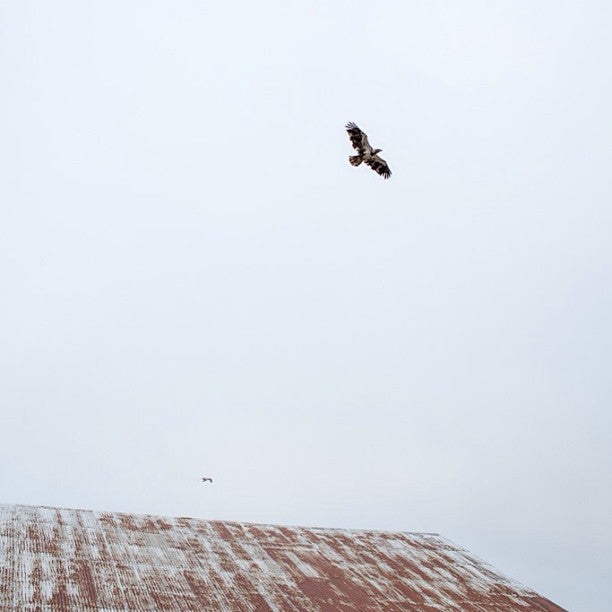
(196, 282)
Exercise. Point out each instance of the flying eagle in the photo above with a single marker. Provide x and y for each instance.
(206, 479)
(365, 151)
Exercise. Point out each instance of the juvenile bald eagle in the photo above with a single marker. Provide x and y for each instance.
(206, 479)
(366, 153)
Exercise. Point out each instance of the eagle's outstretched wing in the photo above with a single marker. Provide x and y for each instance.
(359, 139)
(378, 164)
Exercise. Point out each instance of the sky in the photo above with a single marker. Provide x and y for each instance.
(196, 282)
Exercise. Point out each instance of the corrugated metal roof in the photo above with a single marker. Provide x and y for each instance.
(60, 559)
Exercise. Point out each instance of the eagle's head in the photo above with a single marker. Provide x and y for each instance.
(376, 151)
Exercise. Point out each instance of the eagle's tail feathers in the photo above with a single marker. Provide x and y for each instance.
(355, 159)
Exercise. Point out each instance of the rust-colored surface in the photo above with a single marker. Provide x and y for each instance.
(59, 559)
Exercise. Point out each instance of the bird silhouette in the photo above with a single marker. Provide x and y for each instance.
(206, 479)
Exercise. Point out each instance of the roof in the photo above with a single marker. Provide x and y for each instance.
(78, 559)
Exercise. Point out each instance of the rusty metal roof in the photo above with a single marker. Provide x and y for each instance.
(60, 559)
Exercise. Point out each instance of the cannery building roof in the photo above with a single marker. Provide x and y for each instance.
(62, 559)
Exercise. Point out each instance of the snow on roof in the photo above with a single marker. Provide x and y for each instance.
(61, 559)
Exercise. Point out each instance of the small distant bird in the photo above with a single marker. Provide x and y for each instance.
(366, 153)
(206, 479)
